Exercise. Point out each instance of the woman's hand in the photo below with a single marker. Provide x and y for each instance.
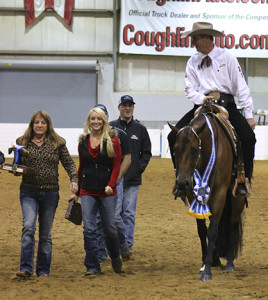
(73, 187)
(108, 190)
(15, 173)
(73, 197)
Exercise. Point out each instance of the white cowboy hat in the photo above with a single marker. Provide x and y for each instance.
(202, 28)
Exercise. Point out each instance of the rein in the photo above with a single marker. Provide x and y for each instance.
(199, 146)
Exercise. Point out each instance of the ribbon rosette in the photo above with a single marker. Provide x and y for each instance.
(202, 193)
(199, 207)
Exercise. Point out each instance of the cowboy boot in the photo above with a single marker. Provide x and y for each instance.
(242, 186)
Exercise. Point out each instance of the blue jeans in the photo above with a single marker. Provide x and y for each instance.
(119, 215)
(130, 197)
(44, 204)
(102, 250)
(118, 221)
(106, 207)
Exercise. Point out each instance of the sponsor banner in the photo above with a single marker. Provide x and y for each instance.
(155, 26)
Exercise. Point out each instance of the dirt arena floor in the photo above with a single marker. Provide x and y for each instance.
(167, 253)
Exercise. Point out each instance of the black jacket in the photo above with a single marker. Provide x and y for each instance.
(96, 174)
(140, 145)
(2, 158)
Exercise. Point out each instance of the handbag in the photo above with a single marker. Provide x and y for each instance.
(74, 212)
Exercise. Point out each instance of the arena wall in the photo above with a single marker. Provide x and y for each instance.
(155, 82)
(10, 132)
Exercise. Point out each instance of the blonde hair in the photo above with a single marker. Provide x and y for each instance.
(106, 134)
(51, 135)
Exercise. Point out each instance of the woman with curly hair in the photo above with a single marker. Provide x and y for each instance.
(39, 192)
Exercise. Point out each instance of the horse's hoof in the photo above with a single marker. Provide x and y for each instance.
(206, 277)
(229, 266)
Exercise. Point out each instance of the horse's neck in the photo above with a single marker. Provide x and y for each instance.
(199, 124)
(205, 136)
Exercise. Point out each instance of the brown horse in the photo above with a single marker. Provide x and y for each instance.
(203, 149)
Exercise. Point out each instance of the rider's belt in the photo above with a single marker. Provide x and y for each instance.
(221, 98)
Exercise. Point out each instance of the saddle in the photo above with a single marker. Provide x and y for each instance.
(222, 116)
(212, 108)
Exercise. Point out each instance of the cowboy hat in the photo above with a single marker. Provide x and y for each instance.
(202, 28)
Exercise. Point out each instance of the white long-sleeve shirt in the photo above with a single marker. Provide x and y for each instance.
(224, 75)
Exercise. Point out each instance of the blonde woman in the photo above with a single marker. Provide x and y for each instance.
(99, 165)
(39, 192)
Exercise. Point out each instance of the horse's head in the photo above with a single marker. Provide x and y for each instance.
(187, 151)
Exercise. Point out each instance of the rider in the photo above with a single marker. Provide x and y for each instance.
(213, 69)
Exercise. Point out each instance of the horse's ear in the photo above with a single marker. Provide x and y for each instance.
(173, 128)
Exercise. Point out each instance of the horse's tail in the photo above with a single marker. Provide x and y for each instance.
(229, 242)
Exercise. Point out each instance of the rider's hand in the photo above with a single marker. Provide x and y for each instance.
(208, 100)
(251, 123)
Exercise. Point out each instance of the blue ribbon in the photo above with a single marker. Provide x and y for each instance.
(17, 154)
(199, 207)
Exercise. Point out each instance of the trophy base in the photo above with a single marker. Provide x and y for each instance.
(13, 168)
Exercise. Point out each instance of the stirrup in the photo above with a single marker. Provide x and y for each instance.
(237, 187)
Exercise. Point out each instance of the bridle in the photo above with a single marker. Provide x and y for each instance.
(198, 139)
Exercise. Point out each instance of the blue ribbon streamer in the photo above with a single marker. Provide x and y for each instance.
(17, 154)
(199, 207)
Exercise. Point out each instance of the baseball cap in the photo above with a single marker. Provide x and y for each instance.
(102, 107)
(126, 98)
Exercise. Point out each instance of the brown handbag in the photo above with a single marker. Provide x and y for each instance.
(73, 212)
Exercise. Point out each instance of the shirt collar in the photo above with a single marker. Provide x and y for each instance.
(211, 54)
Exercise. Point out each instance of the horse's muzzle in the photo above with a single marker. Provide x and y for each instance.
(181, 187)
(179, 193)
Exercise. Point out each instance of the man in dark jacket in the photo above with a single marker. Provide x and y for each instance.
(140, 146)
(2, 158)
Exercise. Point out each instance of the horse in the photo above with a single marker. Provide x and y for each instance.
(203, 147)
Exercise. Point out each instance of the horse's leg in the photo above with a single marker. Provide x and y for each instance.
(202, 233)
(212, 237)
(236, 231)
(216, 262)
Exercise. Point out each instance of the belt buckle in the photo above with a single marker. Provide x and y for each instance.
(215, 95)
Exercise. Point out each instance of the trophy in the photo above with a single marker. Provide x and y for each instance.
(15, 168)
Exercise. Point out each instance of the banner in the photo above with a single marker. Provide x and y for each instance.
(34, 8)
(155, 26)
